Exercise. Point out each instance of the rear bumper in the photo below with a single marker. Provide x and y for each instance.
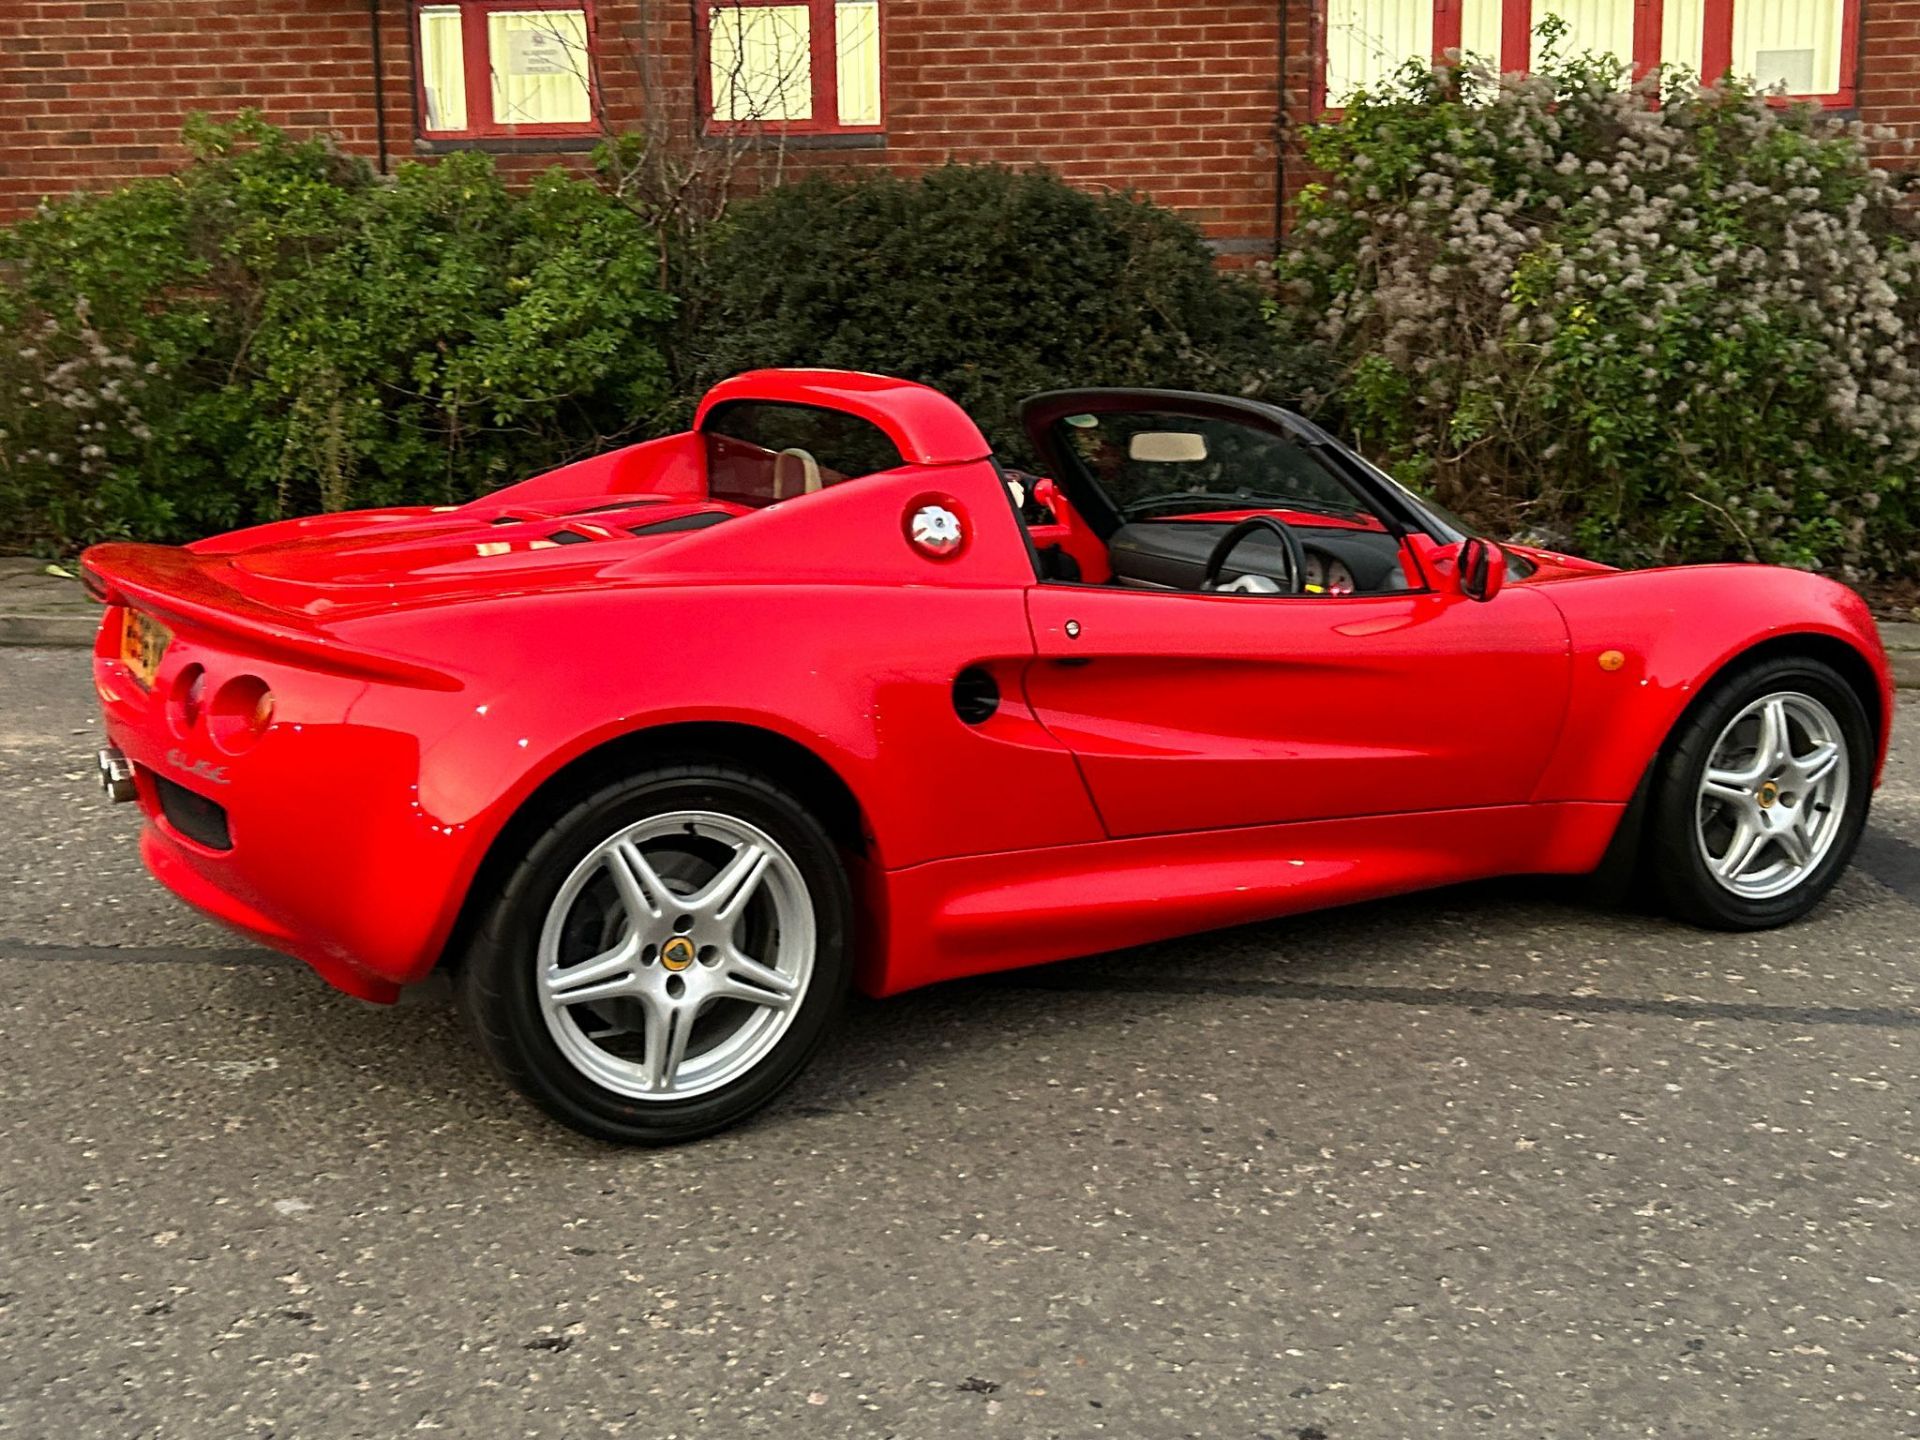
(175, 869)
(332, 858)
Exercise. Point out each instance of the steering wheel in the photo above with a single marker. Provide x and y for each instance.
(1229, 542)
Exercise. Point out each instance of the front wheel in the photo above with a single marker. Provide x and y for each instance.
(1762, 796)
(667, 957)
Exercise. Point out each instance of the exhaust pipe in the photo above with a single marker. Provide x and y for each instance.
(116, 775)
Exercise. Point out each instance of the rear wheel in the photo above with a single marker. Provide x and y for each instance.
(667, 957)
(1762, 796)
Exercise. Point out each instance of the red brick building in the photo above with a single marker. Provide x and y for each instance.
(1191, 101)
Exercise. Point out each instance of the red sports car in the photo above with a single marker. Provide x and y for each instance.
(661, 752)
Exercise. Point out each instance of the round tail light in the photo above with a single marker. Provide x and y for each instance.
(189, 697)
(241, 712)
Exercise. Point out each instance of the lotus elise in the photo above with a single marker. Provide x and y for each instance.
(661, 753)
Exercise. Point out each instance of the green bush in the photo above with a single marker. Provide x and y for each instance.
(275, 330)
(1682, 330)
(988, 283)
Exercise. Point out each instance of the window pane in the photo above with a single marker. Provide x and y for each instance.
(1159, 465)
(762, 63)
(1790, 42)
(1367, 40)
(1683, 32)
(857, 50)
(1603, 26)
(540, 67)
(1480, 32)
(443, 71)
(761, 451)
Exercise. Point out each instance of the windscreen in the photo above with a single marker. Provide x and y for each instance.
(1154, 465)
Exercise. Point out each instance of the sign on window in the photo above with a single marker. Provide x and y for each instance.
(538, 52)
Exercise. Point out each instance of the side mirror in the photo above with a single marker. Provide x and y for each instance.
(1483, 569)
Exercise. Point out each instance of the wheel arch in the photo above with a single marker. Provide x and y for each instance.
(812, 780)
(1855, 668)
(1622, 855)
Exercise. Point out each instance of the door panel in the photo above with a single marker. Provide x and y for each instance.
(1194, 712)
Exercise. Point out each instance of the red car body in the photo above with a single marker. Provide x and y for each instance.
(431, 670)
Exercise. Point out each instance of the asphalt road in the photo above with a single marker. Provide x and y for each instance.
(1484, 1163)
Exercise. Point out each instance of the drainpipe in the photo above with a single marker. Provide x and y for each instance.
(1281, 129)
(379, 81)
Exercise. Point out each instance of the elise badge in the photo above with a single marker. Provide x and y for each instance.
(199, 769)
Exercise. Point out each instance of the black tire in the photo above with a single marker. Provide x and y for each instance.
(496, 984)
(1677, 872)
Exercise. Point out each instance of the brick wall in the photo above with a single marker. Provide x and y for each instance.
(1176, 98)
(94, 91)
(1890, 75)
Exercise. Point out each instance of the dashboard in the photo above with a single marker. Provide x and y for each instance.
(1328, 572)
(1172, 555)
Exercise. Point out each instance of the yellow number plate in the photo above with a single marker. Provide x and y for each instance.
(143, 640)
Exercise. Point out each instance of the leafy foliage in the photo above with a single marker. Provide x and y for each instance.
(1647, 331)
(988, 283)
(275, 330)
(1649, 323)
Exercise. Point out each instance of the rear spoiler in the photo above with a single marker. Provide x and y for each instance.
(185, 588)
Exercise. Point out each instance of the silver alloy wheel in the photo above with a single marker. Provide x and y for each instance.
(1773, 796)
(676, 955)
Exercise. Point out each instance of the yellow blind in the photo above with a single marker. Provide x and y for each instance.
(761, 63)
(1480, 24)
(1367, 40)
(1795, 43)
(540, 67)
(1683, 32)
(1604, 27)
(443, 71)
(856, 26)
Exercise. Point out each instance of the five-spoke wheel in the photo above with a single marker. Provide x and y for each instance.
(1761, 795)
(676, 954)
(1773, 795)
(667, 957)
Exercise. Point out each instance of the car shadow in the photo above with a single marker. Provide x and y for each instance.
(883, 1045)
(886, 1043)
(1894, 862)
(420, 1052)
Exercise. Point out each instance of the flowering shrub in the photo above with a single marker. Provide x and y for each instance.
(74, 405)
(274, 330)
(1648, 323)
